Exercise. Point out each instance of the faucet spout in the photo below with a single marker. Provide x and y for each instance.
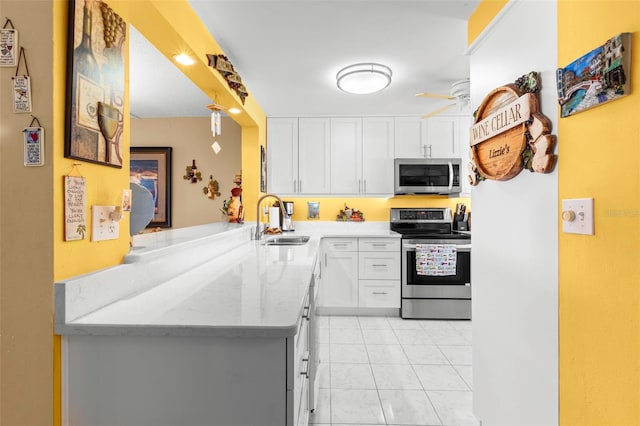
(258, 233)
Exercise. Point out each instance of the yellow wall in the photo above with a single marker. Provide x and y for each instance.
(482, 16)
(599, 152)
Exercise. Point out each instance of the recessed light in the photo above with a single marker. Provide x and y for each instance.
(234, 110)
(184, 59)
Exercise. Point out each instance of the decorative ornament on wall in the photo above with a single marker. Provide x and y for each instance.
(222, 64)
(600, 76)
(192, 174)
(510, 133)
(212, 190)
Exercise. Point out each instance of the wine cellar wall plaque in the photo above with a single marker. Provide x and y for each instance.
(95, 83)
(510, 133)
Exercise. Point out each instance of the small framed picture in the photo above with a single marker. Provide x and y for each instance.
(126, 200)
(313, 210)
(33, 146)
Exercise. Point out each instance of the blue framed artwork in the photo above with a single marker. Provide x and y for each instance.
(150, 167)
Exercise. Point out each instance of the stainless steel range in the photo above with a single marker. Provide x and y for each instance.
(434, 286)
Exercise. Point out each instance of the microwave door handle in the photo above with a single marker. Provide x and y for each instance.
(450, 176)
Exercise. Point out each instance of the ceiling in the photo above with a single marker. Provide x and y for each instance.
(288, 53)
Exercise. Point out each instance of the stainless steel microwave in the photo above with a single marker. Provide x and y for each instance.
(427, 175)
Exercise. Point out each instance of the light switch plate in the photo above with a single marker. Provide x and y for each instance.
(103, 228)
(577, 216)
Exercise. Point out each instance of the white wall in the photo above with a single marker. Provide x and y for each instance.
(515, 240)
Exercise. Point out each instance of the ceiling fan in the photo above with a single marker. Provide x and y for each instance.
(459, 93)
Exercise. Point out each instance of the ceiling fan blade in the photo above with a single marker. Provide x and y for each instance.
(438, 111)
(435, 95)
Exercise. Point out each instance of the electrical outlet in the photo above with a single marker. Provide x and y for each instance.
(577, 216)
(103, 226)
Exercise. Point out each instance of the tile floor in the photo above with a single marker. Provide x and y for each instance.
(390, 371)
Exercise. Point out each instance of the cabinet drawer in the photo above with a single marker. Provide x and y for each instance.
(379, 266)
(379, 294)
(341, 244)
(379, 244)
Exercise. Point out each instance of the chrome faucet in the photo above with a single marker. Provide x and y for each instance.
(258, 233)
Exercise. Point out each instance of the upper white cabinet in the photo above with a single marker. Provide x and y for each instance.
(282, 155)
(377, 155)
(314, 161)
(298, 155)
(346, 155)
(435, 137)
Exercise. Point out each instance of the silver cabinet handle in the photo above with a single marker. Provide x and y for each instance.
(379, 265)
(305, 312)
(365, 186)
(359, 185)
(379, 292)
(429, 150)
(379, 244)
(305, 359)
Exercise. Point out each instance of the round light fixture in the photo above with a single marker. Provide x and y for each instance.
(364, 78)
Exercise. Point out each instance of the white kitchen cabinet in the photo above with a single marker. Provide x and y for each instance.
(282, 155)
(379, 273)
(339, 288)
(298, 155)
(346, 155)
(440, 136)
(314, 161)
(408, 137)
(360, 273)
(377, 155)
(362, 155)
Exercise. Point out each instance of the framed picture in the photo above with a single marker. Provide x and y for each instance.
(150, 167)
(95, 83)
(263, 169)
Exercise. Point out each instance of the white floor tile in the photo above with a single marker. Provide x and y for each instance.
(407, 407)
(344, 322)
(374, 336)
(449, 337)
(435, 325)
(356, 406)
(413, 337)
(425, 354)
(439, 377)
(323, 335)
(466, 372)
(374, 322)
(458, 355)
(347, 353)
(322, 413)
(461, 325)
(352, 376)
(324, 375)
(404, 324)
(324, 353)
(323, 321)
(395, 376)
(453, 408)
(386, 354)
(346, 335)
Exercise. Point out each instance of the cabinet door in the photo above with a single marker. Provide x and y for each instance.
(439, 135)
(346, 155)
(408, 140)
(314, 161)
(377, 155)
(340, 278)
(282, 155)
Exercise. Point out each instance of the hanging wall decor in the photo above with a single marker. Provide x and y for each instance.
(212, 190)
(600, 76)
(192, 174)
(8, 45)
(510, 133)
(33, 144)
(75, 213)
(222, 64)
(21, 86)
(95, 83)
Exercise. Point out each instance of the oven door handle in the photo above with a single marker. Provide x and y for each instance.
(459, 247)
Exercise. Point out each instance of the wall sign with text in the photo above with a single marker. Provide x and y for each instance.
(510, 133)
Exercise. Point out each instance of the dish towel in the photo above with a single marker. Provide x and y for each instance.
(436, 259)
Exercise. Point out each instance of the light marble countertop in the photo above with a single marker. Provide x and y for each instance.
(246, 288)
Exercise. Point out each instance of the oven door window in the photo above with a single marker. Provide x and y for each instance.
(462, 276)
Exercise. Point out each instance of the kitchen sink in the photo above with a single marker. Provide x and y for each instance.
(298, 240)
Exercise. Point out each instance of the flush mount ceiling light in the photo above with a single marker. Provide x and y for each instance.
(184, 59)
(364, 78)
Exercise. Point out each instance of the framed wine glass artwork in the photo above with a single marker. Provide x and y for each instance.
(95, 83)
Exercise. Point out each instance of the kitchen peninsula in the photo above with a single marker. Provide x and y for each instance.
(197, 325)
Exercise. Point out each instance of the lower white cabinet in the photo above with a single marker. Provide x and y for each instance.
(361, 273)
